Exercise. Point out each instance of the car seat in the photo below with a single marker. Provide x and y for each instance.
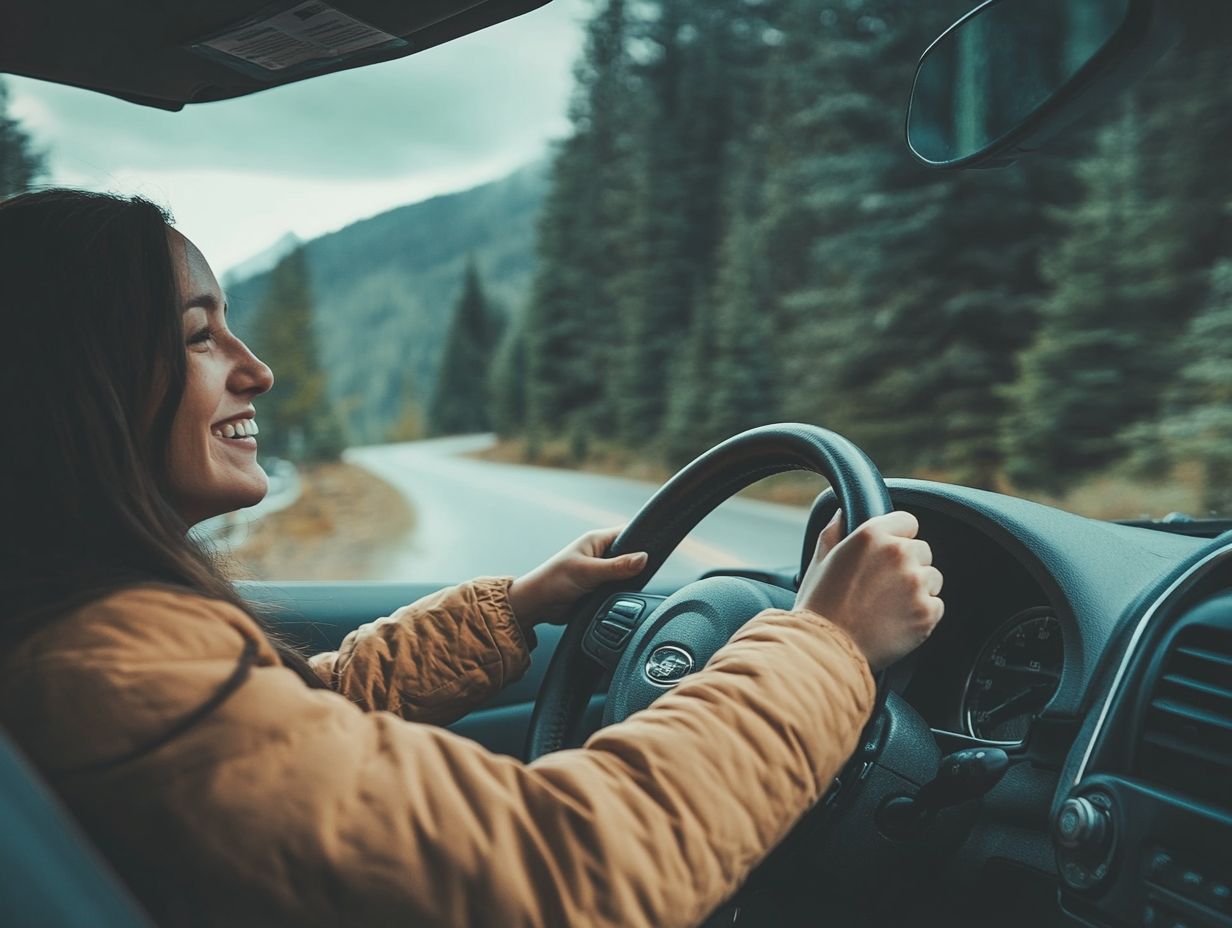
(50, 874)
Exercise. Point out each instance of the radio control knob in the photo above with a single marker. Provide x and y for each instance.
(1083, 833)
(1081, 825)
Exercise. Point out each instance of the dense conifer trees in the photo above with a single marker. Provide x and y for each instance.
(736, 234)
(298, 418)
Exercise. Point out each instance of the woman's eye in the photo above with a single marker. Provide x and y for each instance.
(202, 337)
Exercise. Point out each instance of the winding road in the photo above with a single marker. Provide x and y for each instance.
(476, 517)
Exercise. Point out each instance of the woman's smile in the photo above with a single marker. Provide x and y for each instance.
(239, 431)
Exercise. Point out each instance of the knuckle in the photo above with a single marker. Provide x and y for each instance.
(862, 539)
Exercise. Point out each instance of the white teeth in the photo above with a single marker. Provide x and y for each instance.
(240, 428)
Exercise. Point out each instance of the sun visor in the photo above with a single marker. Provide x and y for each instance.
(169, 55)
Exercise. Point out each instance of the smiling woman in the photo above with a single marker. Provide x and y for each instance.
(122, 383)
(213, 438)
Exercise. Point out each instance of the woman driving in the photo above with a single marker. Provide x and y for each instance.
(231, 780)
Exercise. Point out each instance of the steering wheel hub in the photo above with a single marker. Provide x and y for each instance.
(684, 632)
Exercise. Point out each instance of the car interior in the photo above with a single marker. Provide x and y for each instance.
(1059, 752)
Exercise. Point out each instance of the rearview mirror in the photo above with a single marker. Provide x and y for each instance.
(1007, 75)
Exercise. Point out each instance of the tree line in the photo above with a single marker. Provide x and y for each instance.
(736, 234)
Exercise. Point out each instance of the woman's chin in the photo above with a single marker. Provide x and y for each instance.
(244, 493)
(252, 492)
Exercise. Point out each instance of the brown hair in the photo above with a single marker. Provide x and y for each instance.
(94, 370)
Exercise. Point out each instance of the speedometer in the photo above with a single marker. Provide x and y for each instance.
(1014, 677)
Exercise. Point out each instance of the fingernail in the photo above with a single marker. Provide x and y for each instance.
(639, 560)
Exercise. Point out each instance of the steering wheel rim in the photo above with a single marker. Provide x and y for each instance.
(664, 521)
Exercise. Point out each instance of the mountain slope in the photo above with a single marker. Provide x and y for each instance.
(263, 262)
(384, 289)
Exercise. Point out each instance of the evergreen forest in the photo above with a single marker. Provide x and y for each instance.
(735, 233)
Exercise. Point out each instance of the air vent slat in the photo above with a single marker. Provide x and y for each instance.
(1205, 655)
(1210, 722)
(1221, 693)
(1188, 748)
(1186, 741)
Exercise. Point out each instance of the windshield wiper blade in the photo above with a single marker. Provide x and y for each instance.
(1181, 524)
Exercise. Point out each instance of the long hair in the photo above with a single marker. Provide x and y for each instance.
(93, 372)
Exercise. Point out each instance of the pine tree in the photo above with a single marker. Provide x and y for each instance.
(572, 319)
(409, 424)
(686, 425)
(507, 383)
(1197, 424)
(691, 79)
(744, 376)
(20, 163)
(460, 399)
(1098, 362)
(299, 416)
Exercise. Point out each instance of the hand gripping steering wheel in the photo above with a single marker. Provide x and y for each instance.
(699, 618)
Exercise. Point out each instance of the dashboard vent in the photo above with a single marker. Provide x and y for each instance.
(1186, 742)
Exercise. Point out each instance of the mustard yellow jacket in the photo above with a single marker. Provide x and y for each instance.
(287, 805)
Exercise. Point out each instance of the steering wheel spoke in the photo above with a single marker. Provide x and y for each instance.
(612, 626)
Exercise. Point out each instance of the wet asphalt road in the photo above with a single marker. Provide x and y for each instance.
(476, 517)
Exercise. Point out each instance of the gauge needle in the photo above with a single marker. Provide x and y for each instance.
(997, 713)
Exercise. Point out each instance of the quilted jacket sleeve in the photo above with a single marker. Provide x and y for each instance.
(292, 805)
(435, 659)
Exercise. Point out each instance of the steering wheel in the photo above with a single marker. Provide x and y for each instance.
(700, 617)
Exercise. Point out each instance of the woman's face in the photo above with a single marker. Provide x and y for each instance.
(213, 454)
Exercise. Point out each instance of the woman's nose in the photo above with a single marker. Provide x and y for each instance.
(251, 374)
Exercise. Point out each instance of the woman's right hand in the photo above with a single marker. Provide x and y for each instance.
(877, 584)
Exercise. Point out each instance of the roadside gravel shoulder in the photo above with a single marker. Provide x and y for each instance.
(341, 528)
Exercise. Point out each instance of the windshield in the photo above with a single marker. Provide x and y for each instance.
(509, 284)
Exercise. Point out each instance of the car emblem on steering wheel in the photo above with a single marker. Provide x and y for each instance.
(668, 664)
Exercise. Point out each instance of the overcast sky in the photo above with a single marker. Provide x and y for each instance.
(314, 156)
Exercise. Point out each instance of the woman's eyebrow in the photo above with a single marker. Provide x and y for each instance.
(206, 301)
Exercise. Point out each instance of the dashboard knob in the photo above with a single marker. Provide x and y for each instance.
(1081, 824)
(1083, 832)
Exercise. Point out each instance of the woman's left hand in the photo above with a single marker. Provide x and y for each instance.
(546, 593)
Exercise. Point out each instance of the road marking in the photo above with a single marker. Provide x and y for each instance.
(702, 552)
